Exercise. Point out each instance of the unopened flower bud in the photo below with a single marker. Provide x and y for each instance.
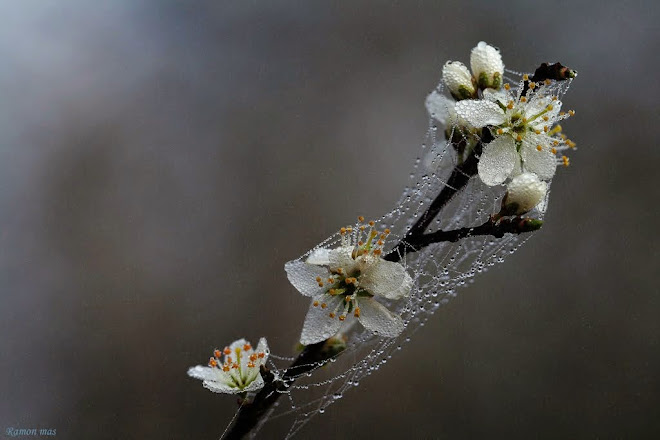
(487, 66)
(458, 79)
(524, 192)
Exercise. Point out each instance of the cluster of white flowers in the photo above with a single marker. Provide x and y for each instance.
(515, 138)
(344, 282)
(527, 140)
(235, 369)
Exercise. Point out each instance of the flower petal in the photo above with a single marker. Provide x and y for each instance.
(496, 95)
(440, 108)
(262, 347)
(498, 160)
(342, 257)
(542, 163)
(318, 325)
(387, 279)
(239, 343)
(303, 277)
(219, 387)
(319, 257)
(377, 318)
(479, 112)
(257, 384)
(204, 373)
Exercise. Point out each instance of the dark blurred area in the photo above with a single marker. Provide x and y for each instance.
(162, 160)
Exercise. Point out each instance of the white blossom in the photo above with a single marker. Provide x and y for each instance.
(235, 369)
(442, 109)
(458, 80)
(487, 66)
(344, 282)
(523, 194)
(526, 137)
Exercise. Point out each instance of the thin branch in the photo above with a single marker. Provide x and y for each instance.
(491, 227)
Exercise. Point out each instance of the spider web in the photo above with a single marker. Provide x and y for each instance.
(438, 270)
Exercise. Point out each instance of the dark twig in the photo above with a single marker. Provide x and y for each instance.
(494, 228)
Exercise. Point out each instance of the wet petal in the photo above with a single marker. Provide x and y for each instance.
(496, 95)
(204, 373)
(342, 258)
(240, 343)
(542, 163)
(319, 257)
(440, 108)
(303, 277)
(498, 160)
(479, 112)
(318, 325)
(219, 387)
(387, 279)
(377, 318)
(262, 347)
(257, 384)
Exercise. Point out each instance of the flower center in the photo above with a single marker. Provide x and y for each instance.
(367, 244)
(238, 375)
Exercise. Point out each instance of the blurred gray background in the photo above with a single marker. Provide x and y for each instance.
(161, 160)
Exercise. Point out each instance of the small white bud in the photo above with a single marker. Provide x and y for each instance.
(458, 79)
(524, 192)
(487, 66)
